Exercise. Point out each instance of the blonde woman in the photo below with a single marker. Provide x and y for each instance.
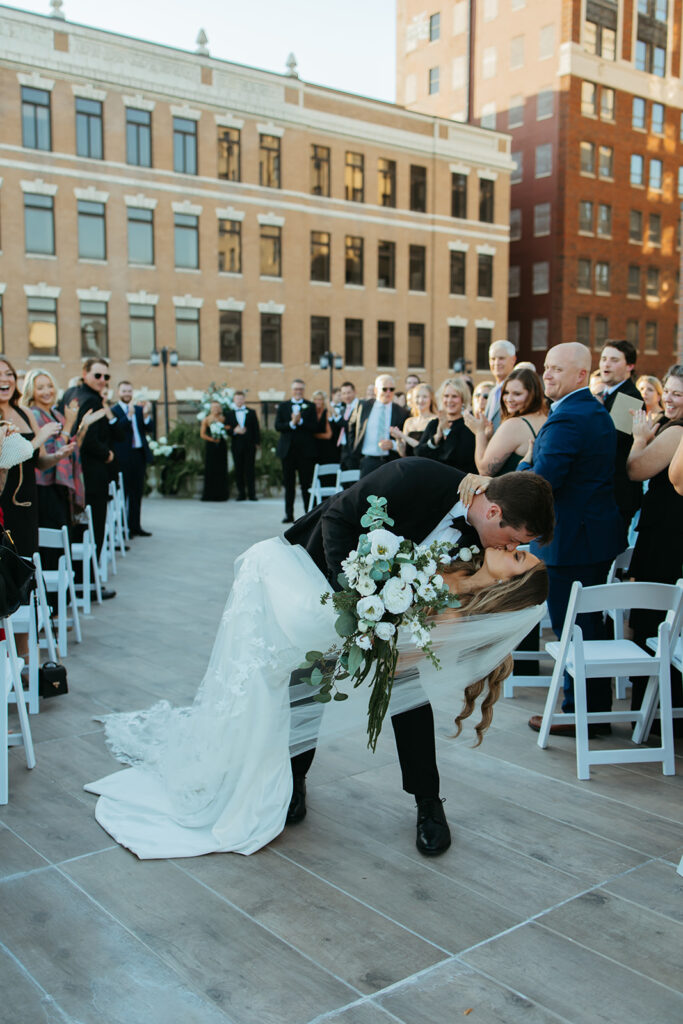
(446, 438)
(651, 392)
(423, 409)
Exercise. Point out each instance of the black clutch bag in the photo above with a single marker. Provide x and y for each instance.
(52, 679)
(17, 577)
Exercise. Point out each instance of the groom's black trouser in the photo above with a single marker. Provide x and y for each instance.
(414, 734)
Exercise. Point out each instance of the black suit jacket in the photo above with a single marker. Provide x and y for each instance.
(358, 424)
(628, 493)
(99, 438)
(299, 441)
(123, 449)
(252, 438)
(456, 450)
(419, 493)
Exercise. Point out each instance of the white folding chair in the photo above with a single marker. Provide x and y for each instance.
(124, 509)
(117, 501)
(620, 564)
(26, 620)
(85, 552)
(11, 688)
(44, 620)
(319, 490)
(346, 476)
(61, 580)
(609, 658)
(108, 552)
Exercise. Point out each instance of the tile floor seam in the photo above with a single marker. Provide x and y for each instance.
(45, 995)
(642, 906)
(520, 995)
(363, 1001)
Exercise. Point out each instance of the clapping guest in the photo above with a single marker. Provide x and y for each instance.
(502, 356)
(325, 447)
(215, 433)
(480, 397)
(246, 438)
(423, 409)
(132, 454)
(650, 389)
(369, 429)
(446, 438)
(524, 410)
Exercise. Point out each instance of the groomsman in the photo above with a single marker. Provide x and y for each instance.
(246, 437)
(340, 423)
(369, 428)
(297, 424)
(502, 356)
(617, 363)
(132, 453)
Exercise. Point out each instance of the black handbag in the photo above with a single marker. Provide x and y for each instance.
(17, 577)
(52, 679)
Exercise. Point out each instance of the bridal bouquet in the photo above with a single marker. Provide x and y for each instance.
(217, 430)
(387, 583)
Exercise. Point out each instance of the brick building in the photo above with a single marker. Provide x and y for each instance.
(592, 97)
(251, 221)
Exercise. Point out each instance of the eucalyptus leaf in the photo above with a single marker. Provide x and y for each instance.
(316, 677)
(346, 624)
(313, 656)
(341, 696)
(322, 698)
(356, 658)
(343, 581)
(376, 574)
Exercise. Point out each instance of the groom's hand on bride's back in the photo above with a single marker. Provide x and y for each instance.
(471, 485)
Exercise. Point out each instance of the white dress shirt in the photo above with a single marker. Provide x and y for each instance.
(132, 418)
(443, 530)
(241, 415)
(377, 429)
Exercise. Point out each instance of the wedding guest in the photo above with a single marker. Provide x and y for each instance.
(411, 381)
(658, 553)
(133, 454)
(480, 397)
(676, 469)
(502, 357)
(446, 438)
(246, 437)
(423, 409)
(617, 363)
(401, 399)
(295, 420)
(339, 425)
(369, 429)
(214, 432)
(595, 385)
(524, 410)
(325, 448)
(370, 392)
(650, 389)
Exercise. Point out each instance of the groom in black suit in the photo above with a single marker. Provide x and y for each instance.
(422, 499)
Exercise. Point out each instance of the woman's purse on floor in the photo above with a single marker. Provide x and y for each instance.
(52, 679)
(17, 576)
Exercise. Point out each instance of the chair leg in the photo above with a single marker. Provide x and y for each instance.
(645, 715)
(33, 659)
(581, 724)
(61, 618)
(4, 729)
(15, 673)
(666, 724)
(74, 608)
(622, 683)
(550, 702)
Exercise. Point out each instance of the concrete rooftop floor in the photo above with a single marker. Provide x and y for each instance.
(558, 901)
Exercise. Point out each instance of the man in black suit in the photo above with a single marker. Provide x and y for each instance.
(340, 422)
(296, 422)
(617, 363)
(246, 437)
(422, 499)
(132, 454)
(369, 442)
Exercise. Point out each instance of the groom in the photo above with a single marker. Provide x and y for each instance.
(422, 499)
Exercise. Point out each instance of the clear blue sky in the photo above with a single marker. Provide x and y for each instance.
(348, 45)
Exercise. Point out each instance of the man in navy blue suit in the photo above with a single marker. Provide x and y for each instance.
(575, 452)
(132, 453)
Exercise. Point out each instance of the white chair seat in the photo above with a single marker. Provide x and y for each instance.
(603, 657)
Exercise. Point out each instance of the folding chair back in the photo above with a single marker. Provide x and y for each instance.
(346, 476)
(319, 491)
(62, 581)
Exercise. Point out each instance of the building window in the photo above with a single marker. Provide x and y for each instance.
(513, 333)
(230, 335)
(89, 135)
(488, 115)
(589, 99)
(386, 265)
(353, 342)
(416, 344)
(635, 226)
(485, 276)
(229, 154)
(271, 338)
(584, 281)
(546, 42)
(94, 332)
(516, 52)
(353, 260)
(654, 231)
(583, 330)
(458, 275)
(601, 332)
(138, 137)
(434, 31)
(539, 334)
(586, 216)
(634, 281)
(600, 29)
(418, 188)
(386, 182)
(36, 131)
(456, 346)
(433, 84)
(544, 104)
(140, 235)
(606, 103)
(516, 111)
(605, 162)
(638, 113)
(270, 249)
(518, 170)
(655, 174)
(604, 220)
(651, 339)
(39, 224)
(490, 10)
(486, 200)
(417, 268)
(587, 158)
(184, 145)
(637, 169)
(92, 235)
(489, 62)
(269, 161)
(544, 160)
(187, 333)
(142, 330)
(320, 256)
(515, 225)
(459, 196)
(483, 344)
(186, 237)
(42, 327)
(650, 57)
(320, 170)
(541, 278)
(514, 281)
(632, 333)
(602, 278)
(385, 343)
(652, 287)
(354, 177)
(320, 338)
(230, 246)
(680, 181)
(657, 118)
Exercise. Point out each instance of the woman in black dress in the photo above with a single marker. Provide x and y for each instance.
(326, 450)
(447, 439)
(215, 433)
(423, 409)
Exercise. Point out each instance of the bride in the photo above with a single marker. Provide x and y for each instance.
(216, 776)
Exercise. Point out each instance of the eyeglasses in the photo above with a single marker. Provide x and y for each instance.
(102, 376)
(387, 389)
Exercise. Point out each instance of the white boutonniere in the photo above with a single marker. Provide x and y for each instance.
(466, 554)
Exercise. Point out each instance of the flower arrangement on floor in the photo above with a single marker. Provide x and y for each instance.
(388, 583)
(160, 449)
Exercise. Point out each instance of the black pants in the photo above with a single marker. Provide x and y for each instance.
(291, 465)
(134, 485)
(369, 463)
(244, 457)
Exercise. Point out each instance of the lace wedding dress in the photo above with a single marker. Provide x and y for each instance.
(216, 776)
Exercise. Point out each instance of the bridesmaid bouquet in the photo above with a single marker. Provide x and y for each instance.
(387, 583)
(217, 430)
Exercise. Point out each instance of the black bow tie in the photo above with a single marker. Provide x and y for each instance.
(468, 534)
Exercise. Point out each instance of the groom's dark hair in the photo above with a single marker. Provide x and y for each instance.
(526, 502)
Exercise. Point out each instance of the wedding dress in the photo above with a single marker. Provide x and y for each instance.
(216, 776)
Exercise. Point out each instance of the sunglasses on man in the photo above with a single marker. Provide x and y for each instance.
(102, 376)
(387, 389)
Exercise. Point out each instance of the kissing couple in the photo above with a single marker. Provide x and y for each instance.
(219, 776)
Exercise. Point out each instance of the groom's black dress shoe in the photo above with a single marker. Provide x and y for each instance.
(297, 805)
(433, 833)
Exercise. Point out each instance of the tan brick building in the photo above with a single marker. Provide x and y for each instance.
(250, 221)
(591, 94)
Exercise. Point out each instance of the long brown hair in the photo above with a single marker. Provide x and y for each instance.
(532, 383)
(14, 400)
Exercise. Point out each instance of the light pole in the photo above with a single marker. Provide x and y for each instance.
(163, 356)
(330, 361)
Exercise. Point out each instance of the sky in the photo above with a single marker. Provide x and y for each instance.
(348, 45)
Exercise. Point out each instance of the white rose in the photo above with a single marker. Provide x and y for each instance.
(363, 626)
(385, 630)
(438, 582)
(364, 585)
(408, 573)
(370, 608)
(430, 568)
(364, 642)
(397, 595)
(383, 545)
(465, 555)
(426, 592)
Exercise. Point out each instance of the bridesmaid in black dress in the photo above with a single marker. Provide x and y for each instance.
(447, 439)
(215, 455)
(423, 409)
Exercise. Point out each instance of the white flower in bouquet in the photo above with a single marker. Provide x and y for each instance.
(385, 630)
(419, 635)
(438, 582)
(430, 568)
(465, 554)
(364, 625)
(397, 595)
(370, 608)
(364, 585)
(383, 545)
(426, 591)
(364, 642)
(408, 573)
(217, 429)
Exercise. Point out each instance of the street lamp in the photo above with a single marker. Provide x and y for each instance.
(462, 366)
(164, 357)
(330, 361)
